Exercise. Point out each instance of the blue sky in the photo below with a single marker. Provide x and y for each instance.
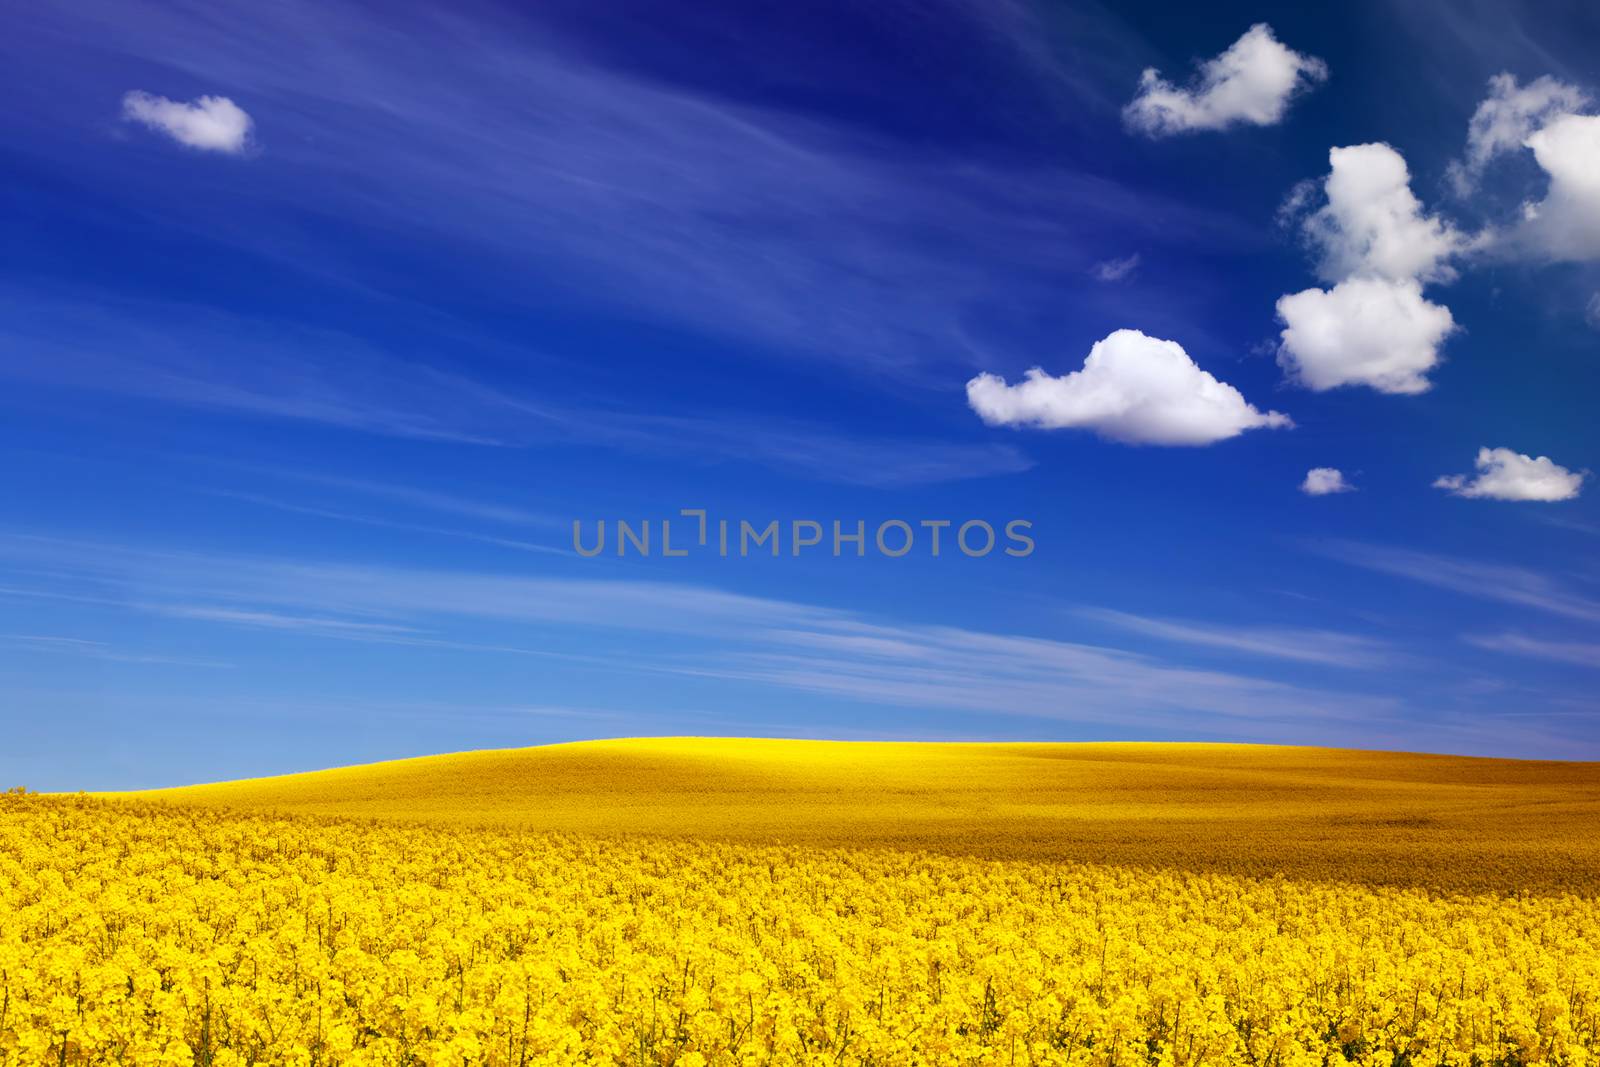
(321, 323)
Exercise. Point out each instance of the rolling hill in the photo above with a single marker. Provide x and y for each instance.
(1443, 821)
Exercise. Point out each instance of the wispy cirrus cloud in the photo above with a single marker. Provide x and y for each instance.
(165, 352)
(100, 650)
(1327, 647)
(277, 621)
(493, 136)
(565, 177)
(1018, 675)
(1502, 583)
(339, 515)
(806, 449)
(414, 496)
(709, 633)
(1579, 653)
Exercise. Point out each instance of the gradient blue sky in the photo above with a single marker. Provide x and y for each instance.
(294, 434)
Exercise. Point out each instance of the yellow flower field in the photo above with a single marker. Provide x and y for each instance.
(156, 932)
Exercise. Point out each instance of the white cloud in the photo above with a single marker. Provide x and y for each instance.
(1115, 270)
(1507, 475)
(1565, 225)
(1321, 481)
(1365, 331)
(1377, 245)
(1251, 83)
(1373, 225)
(1506, 117)
(1545, 117)
(1132, 388)
(212, 123)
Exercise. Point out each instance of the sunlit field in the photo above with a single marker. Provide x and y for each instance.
(732, 902)
(1376, 817)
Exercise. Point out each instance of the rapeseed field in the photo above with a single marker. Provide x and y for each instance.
(1380, 818)
(667, 919)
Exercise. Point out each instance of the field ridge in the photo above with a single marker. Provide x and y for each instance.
(1452, 822)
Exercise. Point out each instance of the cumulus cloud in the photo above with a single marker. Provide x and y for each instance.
(1132, 388)
(1507, 475)
(1321, 481)
(211, 123)
(1546, 117)
(1373, 226)
(1251, 83)
(1378, 246)
(1365, 331)
(1115, 270)
(1505, 119)
(1565, 225)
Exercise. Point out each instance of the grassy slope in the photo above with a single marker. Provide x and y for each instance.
(1377, 817)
